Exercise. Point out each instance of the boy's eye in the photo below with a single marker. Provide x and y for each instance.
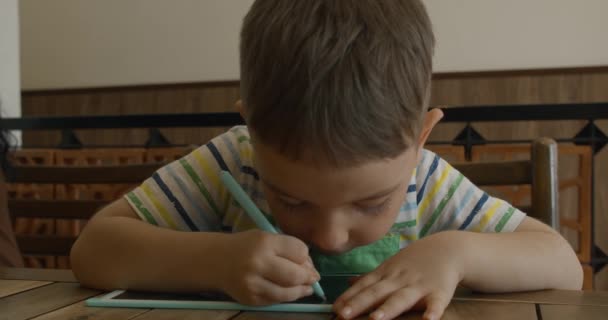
(290, 202)
(374, 208)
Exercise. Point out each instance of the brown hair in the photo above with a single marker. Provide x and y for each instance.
(346, 80)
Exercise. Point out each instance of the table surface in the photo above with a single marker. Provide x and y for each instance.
(55, 294)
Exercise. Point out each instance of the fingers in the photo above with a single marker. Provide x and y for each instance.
(269, 292)
(362, 283)
(264, 292)
(435, 306)
(399, 302)
(368, 298)
(293, 249)
(286, 273)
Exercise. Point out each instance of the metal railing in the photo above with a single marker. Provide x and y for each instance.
(590, 135)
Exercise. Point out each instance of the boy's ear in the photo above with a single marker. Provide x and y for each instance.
(431, 118)
(239, 107)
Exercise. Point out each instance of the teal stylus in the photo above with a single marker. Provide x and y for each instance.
(256, 215)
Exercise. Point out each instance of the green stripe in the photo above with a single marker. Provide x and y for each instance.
(441, 206)
(199, 183)
(403, 225)
(505, 218)
(242, 138)
(140, 207)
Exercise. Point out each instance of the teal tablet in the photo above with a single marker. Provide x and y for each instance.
(333, 286)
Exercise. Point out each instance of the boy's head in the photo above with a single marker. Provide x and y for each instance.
(338, 90)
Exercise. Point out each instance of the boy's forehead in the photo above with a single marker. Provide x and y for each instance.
(306, 180)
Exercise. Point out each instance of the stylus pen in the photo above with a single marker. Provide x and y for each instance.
(256, 215)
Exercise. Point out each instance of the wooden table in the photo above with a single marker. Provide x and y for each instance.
(55, 294)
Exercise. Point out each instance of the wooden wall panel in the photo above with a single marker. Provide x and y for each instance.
(458, 89)
(188, 98)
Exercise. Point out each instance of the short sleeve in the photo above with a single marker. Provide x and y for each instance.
(187, 194)
(447, 200)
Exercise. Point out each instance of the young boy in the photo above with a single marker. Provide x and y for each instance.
(335, 97)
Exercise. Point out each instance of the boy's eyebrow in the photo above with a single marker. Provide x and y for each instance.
(276, 189)
(381, 193)
(370, 197)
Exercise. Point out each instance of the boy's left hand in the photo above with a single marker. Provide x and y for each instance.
(424, 274)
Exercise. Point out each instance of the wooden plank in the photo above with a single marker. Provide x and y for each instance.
(282, 315)
(45, 244)
(37, 274)
(128, 173)
(473, 310)
(168, 314)
(560, 312)
(10, 287)
(497, 173)
(56, 209)
(42, 300)
(410, 315)
(81, 311)
(560, 297)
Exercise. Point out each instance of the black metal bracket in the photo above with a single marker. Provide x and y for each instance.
(468, 138)
(156, 139)
(599, 259)
(69, 140)
(593, 136)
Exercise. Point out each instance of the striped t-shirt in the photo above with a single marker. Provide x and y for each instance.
(188, 195)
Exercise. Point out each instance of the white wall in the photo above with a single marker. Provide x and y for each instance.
(519, 34)
(89, 43)
(10, 97)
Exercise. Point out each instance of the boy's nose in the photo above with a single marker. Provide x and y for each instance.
(331, 241)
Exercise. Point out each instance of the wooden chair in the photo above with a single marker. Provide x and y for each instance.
(540, 172)
(55, 245)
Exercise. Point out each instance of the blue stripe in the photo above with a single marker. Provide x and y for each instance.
(217, 156)
(188, 195)
(176, 203)
(233, 152)
(409, 206)
(463, 202)
(251, 171)
(411, 188)
(432, 169)
(475, 211)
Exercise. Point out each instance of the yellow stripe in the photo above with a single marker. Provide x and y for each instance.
(487, 217)
(246, 153)
(408, 237)
(159, 207)
(427, 199)
(212, 176)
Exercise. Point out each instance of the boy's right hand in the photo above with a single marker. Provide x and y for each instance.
(261, 268)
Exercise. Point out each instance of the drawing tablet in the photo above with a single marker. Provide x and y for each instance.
(333, 285)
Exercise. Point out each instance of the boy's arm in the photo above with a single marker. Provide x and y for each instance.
(426, 273)
(531, 258)
(118, 250)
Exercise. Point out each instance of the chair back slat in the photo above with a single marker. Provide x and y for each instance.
(130, 173)
(45, 244)
(55, 209)
(545, 187)
(497, 173)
